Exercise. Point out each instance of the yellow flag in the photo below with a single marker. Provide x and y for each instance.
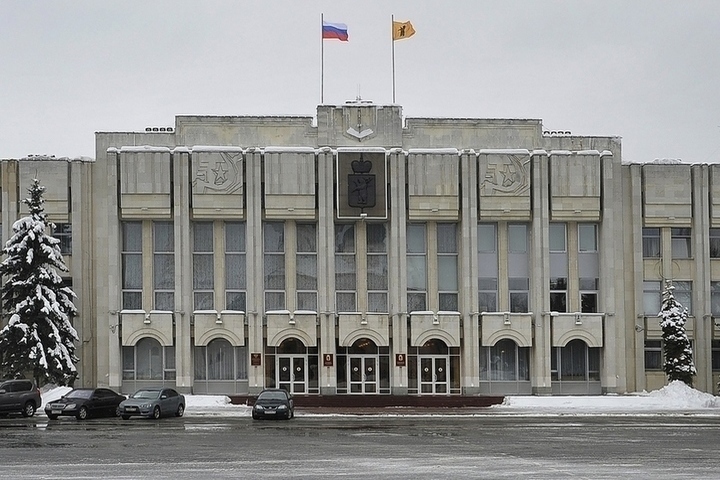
(402, 30)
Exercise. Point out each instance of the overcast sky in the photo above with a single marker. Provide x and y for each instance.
(645, 70)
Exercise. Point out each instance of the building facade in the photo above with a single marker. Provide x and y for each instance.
(359, 253)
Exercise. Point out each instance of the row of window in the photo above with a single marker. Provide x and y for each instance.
(680, 242)
(654, 355)
(505, 361)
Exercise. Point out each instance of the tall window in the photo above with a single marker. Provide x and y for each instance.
(235, 266)
(575, 362)
(447, 266)
(651, 242)
(203, 266)
(518, 271)
(653, 355)
(715, 243)
(345, 269)
(588, 267)
(715, 352)
(306, 270)
(274, 265)
(63, 232)
(377, 267)
(148, 360)
(219, 360)
(416, 267)
(164, 266)
(487, 267)
(652, 297)
(683, 294)
(681, 242)
(558, 267)
(504, 361)
(132, 278)
(715, 299)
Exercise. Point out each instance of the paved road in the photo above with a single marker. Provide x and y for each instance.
(363, 447)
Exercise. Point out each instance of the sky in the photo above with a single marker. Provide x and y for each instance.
(643, 70)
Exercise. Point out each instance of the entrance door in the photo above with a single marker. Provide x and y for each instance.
(434, 375)
(362, 373)
(292, 373)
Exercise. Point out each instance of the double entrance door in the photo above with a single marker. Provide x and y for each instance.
(434, 376)
(362, 373)
(292, 373)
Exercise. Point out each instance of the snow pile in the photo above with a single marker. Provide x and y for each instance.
(675, 396)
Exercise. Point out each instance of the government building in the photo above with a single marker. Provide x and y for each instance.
(359, 252)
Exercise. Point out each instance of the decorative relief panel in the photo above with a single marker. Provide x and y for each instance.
(498, 326)
(211, 324)
(575, 186)
(217, 183)
(354, 326)
(145, 179)
(504, 184)
(427, 325)
(282, 325)
(54, 176)
(570, 326)
(289, 183)
(137, 324)
(433, 184)
(667, 195)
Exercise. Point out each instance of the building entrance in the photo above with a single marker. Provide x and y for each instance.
(362, 372)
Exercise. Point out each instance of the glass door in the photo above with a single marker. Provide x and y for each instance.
(434, 375)
(362, 374)
(292, 373)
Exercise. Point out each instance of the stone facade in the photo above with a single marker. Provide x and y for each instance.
(357, 253)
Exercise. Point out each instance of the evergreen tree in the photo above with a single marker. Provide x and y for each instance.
(39, 337)
(678, 353)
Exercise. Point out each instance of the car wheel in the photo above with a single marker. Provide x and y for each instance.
(156, 413)
(180, 410)
(255, 417)
(82, 414)
(28, 410)
(53, 417)
(126, 417)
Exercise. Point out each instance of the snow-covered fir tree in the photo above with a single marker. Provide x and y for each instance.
(678, 363)
(39, 339)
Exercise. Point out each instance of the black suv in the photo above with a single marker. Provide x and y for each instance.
(19, 396)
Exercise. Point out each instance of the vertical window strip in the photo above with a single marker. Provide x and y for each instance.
(377, 267)
(447, 266)
(274, 265)
(487, 267)
(416, 267)
(163, 266)
(345, 269)
(235, 266)
(203, 266)
(132, 277)
(306, 270)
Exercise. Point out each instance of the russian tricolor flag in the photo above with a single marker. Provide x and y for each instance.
(337, 31)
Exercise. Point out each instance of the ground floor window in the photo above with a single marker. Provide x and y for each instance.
(575, 362)
(505, 361)
(292, 366)
(433, 368)
(148, 360)
(653, 355)
(219, 360)
(363, 368)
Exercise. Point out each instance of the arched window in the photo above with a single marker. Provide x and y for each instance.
(575, 362)
(148, 360)
(504, 361)
(219, 360)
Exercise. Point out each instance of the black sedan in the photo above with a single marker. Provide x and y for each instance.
(83, 403)
(273, 403)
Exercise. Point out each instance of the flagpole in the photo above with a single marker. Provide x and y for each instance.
(322, 62)
(392, 41)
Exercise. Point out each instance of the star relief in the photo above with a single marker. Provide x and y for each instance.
(220, 173)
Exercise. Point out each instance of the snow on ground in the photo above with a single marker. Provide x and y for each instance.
(673, 398)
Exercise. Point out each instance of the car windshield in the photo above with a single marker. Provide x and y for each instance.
(146, 394)
(79, 394)
(272, 396)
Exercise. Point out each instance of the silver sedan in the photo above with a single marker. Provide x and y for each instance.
(153, 403)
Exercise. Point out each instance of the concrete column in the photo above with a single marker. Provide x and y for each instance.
(468, 271)
(254, 264)
(326, 271)
(184, 369)
(397, 272)
(702, 312)
(539, 280)
(109, 366)
(610, 275)
(635, 318)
